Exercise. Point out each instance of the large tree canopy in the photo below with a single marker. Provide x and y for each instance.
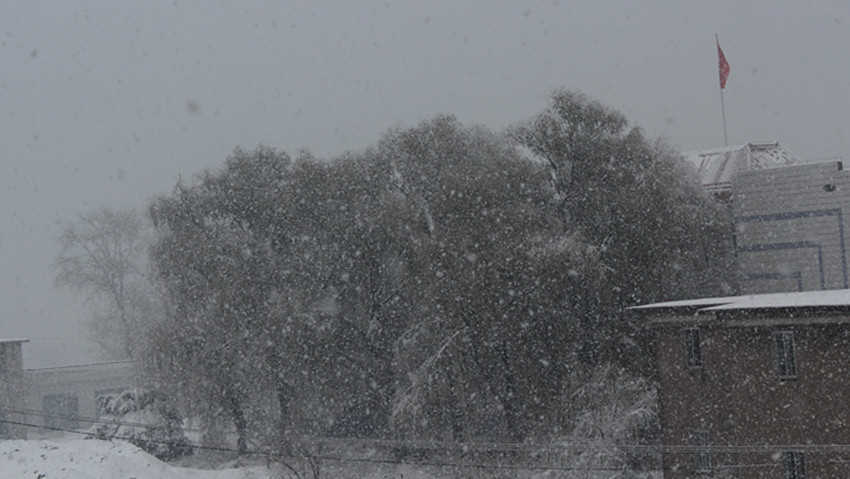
(655, 233)
(443, 283)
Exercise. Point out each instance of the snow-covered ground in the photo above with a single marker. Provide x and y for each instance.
(74, 458)
(91, 458)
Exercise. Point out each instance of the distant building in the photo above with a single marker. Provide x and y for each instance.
(38, 401)
(11, 387)
(789, 228)
(788, 215)
(66, 397)
(754, 386)
(718, 167)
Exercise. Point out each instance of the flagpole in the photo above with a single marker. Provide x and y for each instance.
(723, 110)
(722, 101)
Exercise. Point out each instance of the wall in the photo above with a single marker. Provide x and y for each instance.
(790, 228)
(11, 387)
(737, 397)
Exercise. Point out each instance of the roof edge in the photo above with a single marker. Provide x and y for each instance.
(837, 299)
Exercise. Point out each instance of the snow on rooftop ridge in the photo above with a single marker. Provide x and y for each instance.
(805, 299)
(687, 303)
(717, 167)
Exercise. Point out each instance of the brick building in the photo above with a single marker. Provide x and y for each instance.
(754, 386)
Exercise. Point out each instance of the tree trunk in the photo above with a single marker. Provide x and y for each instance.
(454, 406)
(510, 400)
(234, 403)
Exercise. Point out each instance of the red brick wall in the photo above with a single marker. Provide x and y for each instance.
(737, 396)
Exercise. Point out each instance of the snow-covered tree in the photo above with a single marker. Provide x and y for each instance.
(283, 281)
(441, 283)
(488, 341)
(104, 256)
(145, 418)
(215, 259)
(634, 204)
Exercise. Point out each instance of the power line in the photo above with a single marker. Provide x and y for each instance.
(88, 419)
(340, 459)
(323, 457)
(481, 448)
(492, 447)
(122, 438)
(465, 449)
(473, 466)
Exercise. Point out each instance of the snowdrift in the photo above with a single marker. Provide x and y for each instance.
(90, 458)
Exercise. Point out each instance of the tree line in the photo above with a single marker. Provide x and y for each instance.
(447, 282)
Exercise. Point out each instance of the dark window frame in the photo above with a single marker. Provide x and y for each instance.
(795, 465)
(785, 355)
(693, 348)
(701, 454)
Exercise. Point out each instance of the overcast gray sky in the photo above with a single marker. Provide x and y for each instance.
(107, 102)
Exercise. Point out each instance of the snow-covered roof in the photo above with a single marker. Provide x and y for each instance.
(717, 167)
(14, 340)
(837, 298)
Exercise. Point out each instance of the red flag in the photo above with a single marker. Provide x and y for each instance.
(723, 66)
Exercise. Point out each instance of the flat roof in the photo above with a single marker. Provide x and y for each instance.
(807, 299)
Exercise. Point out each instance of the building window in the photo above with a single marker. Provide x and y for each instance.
(61, 411)
(701, 455)
(786, 367)
(795, 465)
(693, 351)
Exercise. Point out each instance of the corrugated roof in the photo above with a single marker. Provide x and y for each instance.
(717, 167)
(805, 299)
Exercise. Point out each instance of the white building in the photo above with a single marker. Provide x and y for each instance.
(718, 167)
(46, 400)
(788, 215)
(66, 397)
(789, 228)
